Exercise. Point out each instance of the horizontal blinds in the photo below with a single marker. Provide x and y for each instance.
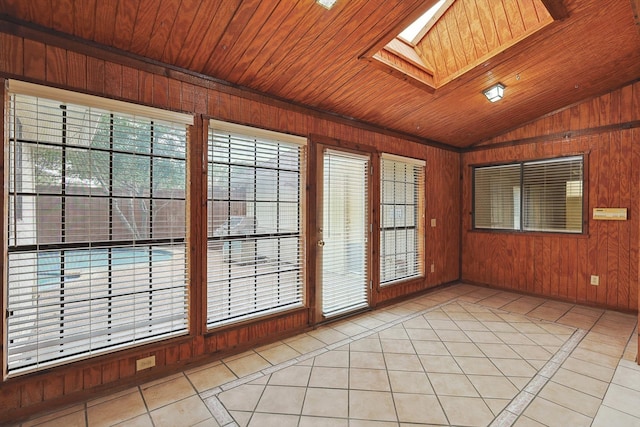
(96, 238)
(256, 133)
(68, 97)
(544, 195)
(255, 249)
(345, 232)
(497, 197)
(405, 160)
(552, 192)
(402, 192)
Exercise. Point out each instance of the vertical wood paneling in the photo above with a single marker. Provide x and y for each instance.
(53, 387)
(75, 71)
(92, 376)
(113, 80)
(160, 91)
(453, 30)
(464, 29)
(11, 54)
(95, 75)
(130, 80)
(145, 88)
(561, 265)
(514, 16)
(111, 371)
(624, 233)
(34, 60)
(488, 25)
(529, 14)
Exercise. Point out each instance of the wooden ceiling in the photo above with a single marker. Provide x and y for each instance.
(297, 50)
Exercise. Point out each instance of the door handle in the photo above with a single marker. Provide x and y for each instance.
(320, 243)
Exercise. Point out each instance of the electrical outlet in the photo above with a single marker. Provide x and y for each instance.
(595, 280)
(145, 363)
(433, 222)
(433, 268)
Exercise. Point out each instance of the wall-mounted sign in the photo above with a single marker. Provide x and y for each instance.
(610, 214)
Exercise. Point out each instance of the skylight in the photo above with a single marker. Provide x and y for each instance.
(410, 33)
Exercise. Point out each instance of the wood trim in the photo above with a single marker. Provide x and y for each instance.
(197, 223)
(320, 144)
(383, 61)
(549, 297)
(557, 136)
(312, 189)
(374, 236)
(556, 8)
(54, 38)
(393, 32)
(4, 204)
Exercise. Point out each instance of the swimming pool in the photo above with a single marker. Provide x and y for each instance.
(50, 264)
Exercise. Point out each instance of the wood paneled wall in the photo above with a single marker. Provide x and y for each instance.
(560, 265)
(152, 84)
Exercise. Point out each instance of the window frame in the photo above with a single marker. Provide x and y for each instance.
(419, 219)
(178, 126)
(249, 132)
(584, 157)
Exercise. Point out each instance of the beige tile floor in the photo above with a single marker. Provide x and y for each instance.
(462, 355)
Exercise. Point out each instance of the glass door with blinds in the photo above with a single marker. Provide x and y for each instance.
(343, 232)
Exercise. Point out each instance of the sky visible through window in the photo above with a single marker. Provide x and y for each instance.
(410, 33)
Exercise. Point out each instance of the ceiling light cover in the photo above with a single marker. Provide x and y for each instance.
(327, 4)
(494, 93)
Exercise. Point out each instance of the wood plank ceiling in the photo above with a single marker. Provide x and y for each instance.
(298, 51)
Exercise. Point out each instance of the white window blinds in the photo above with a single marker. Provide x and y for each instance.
(543, 195)
(345, 231)
(255, 247)
(552, 195)
(497, 197)
(96, 229)
(402, 201)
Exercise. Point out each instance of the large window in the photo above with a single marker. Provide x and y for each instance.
(401, 218)
(96, 227)
(255, 243)
(544, 195)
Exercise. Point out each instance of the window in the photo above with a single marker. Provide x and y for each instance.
(255, 243)
(401, 216)
(96, 227)
(544, 195)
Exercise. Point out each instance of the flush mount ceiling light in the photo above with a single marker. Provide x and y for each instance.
(495, 92)
(327, 4)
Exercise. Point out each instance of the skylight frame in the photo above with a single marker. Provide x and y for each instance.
(414, 32)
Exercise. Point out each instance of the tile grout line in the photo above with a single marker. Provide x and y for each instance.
(522, 400)
(222, 415)
(219, 410)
